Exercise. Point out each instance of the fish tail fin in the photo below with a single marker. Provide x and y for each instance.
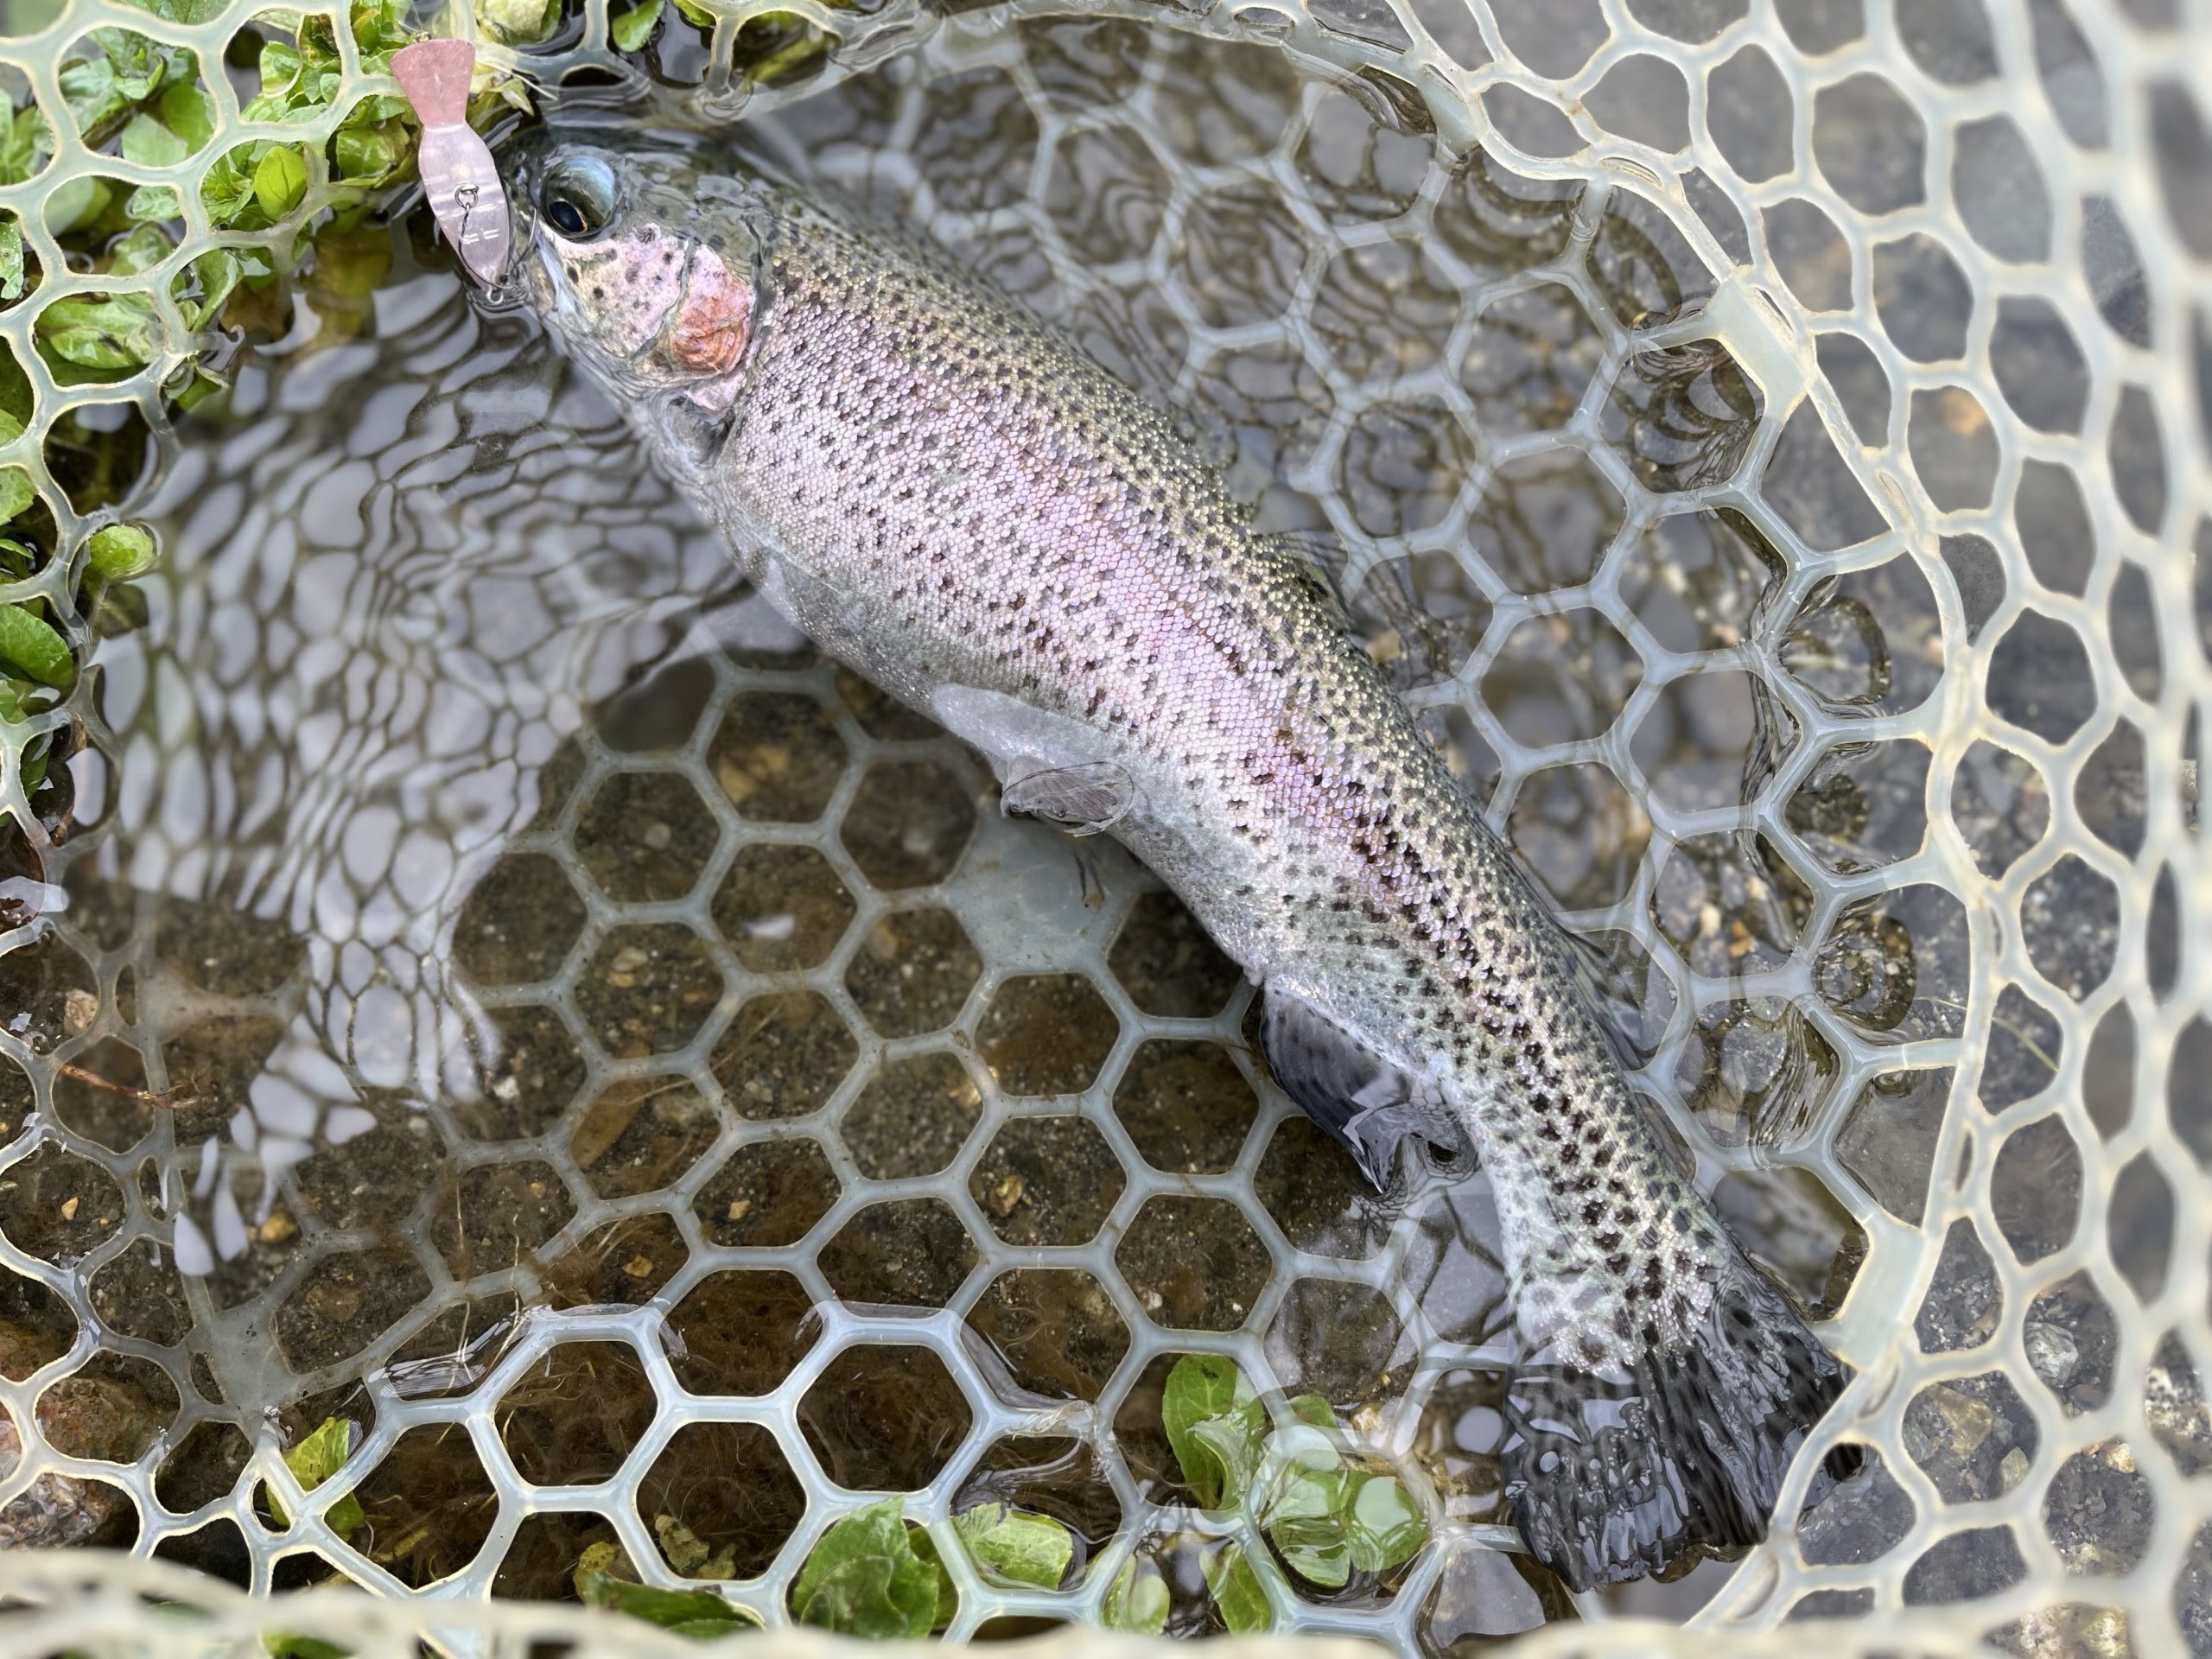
(1613, 1474)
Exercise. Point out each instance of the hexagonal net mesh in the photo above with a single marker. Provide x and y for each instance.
(474, 975)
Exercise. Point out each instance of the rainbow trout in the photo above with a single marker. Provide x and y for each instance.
(948, 496)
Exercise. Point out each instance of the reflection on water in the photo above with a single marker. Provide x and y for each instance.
(490, 918)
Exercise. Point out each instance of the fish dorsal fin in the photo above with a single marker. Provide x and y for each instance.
(1089, 797)
(1362, 1102)
(1317, 558)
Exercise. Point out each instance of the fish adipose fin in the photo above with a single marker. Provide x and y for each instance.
(1367, 1105)
(1614, 1473)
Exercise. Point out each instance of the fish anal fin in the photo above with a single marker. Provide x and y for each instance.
(1364, 1103)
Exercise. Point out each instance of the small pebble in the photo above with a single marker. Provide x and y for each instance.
(2053, 1353)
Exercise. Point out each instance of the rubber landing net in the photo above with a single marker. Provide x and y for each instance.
(471, 977)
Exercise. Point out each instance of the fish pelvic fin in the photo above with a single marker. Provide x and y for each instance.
(1366, 1104)
(1085, 798)
(1613, 1472)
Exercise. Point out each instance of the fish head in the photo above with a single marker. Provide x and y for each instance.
(643, 262)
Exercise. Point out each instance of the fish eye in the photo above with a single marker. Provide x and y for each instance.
(577, 197)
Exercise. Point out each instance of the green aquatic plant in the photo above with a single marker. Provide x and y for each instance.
(1327, 1512)
(315, 1459)
(288, 217)
(605, 1577)
(875, 1574)
(1137, 1600)
(1014, 1547)
(866, 1577)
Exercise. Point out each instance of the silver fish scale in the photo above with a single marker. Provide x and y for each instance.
(958, 497)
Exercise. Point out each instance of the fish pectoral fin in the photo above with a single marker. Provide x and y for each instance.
(1089, 797)
(1365, 1103)
(695, 430)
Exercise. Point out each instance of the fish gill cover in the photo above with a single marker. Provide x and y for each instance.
(527, 1025)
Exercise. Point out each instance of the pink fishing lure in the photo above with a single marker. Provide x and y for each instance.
(459, 176)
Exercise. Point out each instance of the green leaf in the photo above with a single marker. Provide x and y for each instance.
(15, 400)
(1014, 1547)
(11, 258)
(119, 552)
(17, 491)
(150, 143)
(25, 142)
(1215, 1427)
(280, 180)
(1306, 1476)
(115, 331)
(188, 112)
(1236, 1590)
(1315, 1549)
(518, 22)
(350, 260)
(381, 28)
(1383, 1525)
(141, 63)
(689, 1556)
(29, 642)
(629, 29)
(14, 705)
(295, 1646)
(208, 282)
(694, 13)
(699, 1613)
(1308, 1488)
(1313, 1409)
(315, 1460)
(142, 249)
(863, 1578)
(279, 67)
(226, 187)
(188, 12)
(369, 154)
(1137, 1600)
(75, 203)
(375, 108)
(948, 1593)
(191, 386)
(152, 204)
(88, 88)
(130, 71)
